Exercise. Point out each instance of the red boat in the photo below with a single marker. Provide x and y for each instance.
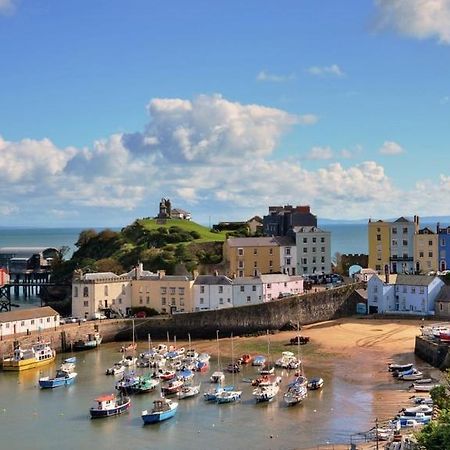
(167, 375)
(245, 359)
(445, 337)
(172, 387)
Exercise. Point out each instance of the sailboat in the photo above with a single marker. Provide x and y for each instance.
(267, 368)
(230, 396)
(297, 389)
(218, 376)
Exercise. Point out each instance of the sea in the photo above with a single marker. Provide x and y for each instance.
(345, 238)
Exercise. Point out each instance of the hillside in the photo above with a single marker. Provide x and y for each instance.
(187, 225)
(177, 246)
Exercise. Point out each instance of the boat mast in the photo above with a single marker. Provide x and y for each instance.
(149, 342)
(218, 350)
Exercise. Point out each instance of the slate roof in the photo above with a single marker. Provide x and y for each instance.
(212, 280)
(28, 313)
(444, 294)
(414, 280)
(402, 219)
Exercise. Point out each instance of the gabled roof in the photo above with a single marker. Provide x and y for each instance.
(444, 294)
(402, 219)
(426, 230)
(414, 280)
(28, 313)
(257, 218)
(213, 280)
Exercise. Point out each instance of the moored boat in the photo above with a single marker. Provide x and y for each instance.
(295, 394)
(315, 383)
(109, 405)
(217, 377)
(245, 359)
(60, 379)
(259, 360)
(92, 340)
(163, 409)
(399, 367)
(171, 387)
(265, 393)
(189, 391)
(211, 394)
(37, 355)
(128, 348)
(145, 384)
(228, 396)
(422, 387)
(116, 369)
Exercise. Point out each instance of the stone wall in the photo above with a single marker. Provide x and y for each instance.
(434, 353)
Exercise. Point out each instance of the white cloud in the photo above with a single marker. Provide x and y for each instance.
(320, 153)
(211, 129)
(416, 18)
(391, 148)
(333, 70)
(264, 75)
(7, 6)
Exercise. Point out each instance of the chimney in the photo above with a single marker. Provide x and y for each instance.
(438, 225)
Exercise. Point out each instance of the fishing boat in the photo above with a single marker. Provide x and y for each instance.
(265, 393)
(287, 361)
(163, 409)
(145, 384)
(218, 376)
(127, 383)
(201, 366)
(128, 361)
(109, 405)
(185, 375)
(116, 369)
(229, 396)
(421, 400)
(64, 376)
(37, 355)
(189, 391)
(315, 383)
(167, 375)
(91, 341)
(415, 375)
(171, 387)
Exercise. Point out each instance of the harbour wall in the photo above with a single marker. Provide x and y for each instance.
(279, 314)
(435, 353)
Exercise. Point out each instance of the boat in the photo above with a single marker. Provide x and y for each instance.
(421, 400)
(171, 387)
(201, 366)
(233, 367)
(145, 384)
(267, 368)
(287, 361)
(259, 360)
(315, 383)
(266, 380)
(163, 409)
(167, 375)
(410, 375)
(37, 355)
(110, 405)
(265, 393)
(218, 376)
(128, 383)
(116, 369)
(423, 387)
(185, 375)
(245, 359)
(211, 394)
(295, 394)
(91, 341)
(72, 359)
(189, 391)
(399, 367)
(128, 361)
(419, 417)
(425, 409)
(128, 348)
(64, 376)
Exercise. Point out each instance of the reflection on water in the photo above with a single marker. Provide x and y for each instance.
(34, 418)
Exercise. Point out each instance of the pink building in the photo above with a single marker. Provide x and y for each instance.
(279, 285)
(4, 277)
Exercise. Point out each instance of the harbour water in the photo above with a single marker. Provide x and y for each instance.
(51, 419)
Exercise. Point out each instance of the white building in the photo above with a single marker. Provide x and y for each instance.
(247, 291)
(313, 250)
(288, 254)
(212, 292)
(403, 294)
(402, 245)
(28, 320)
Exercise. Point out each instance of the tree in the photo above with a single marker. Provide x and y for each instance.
(85, 236)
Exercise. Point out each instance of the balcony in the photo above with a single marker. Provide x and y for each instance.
(401, 258)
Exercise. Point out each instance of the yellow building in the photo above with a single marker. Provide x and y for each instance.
(164, 293)
(248, 257)
(379, 245)
(425, 251)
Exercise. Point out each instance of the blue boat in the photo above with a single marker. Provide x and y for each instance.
(259, 360)
(163, 409)
(61, 379)
(211, 395)
(109, 405)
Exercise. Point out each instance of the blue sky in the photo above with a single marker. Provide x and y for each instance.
(225, 107)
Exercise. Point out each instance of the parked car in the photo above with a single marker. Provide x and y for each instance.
(141, 315)
(99, 316)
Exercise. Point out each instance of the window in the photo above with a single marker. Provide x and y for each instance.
(181, 301)
(41, 320)
(420, 254)
(305, 240)
(270, 251)
(163, 300)
(86, 303)
(314, 249)
(413, 290)
(172, 291)
(173, 301)
(430, 243)
(421, 290)
(394, 242)
(314, 260)
(405, 242)
(163, 290)
(85, 291)
(220, 289)
(221, 301)
(288, 250)
(322, 249)
(255, 263)
(305, 269)
(269, 296)
(202, 300)
(75, 291)
(241, 273)
(22, 324)
(141, 300)
(255, 251)
(181, 291)
(375, 289)
(202, 289)
(254, 288)
(269, 285)
(147, 300)
(123, 289)
(305, 250)
(120, 301)
(285, 284)
(378, 237)
(241, 264)
(242, 288)
(322, 240)
(270, 263)
(48, 319)
(240, 251)
(106, 291)
(314, 240)
(288, 261)
(430, 254)
(249, 299)
(394, 230)
(377, 267)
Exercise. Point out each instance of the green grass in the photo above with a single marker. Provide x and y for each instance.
(187, 225)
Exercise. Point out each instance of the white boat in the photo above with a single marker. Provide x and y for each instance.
(265, 393)
(422, 400)
(189, 391)
(410, 375)
(423, 387)
(288, 361)
(399, 367)
(425, 409)
(315, 383)
(217, 377)
(295, 394)
(116, 369)
(228, 396)
(128, 361)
